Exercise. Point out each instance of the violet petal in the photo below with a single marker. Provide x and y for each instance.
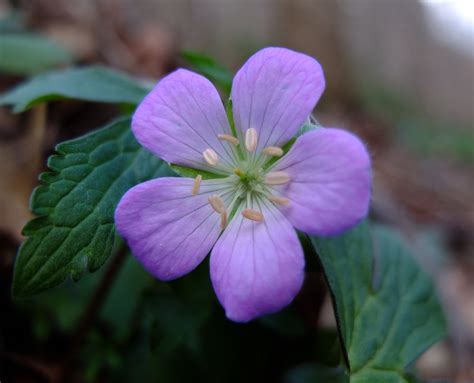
(257, 267)
(330, 185)
(169, 230)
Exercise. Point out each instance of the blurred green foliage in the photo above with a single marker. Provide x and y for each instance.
(414, 127)
(210, 68)
(95, 83)
(27, 54)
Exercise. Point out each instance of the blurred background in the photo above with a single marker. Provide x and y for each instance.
(400, 73)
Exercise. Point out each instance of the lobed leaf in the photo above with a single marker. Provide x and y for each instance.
(94, 83)
(386, 307)
(75, 204)
(27, 54)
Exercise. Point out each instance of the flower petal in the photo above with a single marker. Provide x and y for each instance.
(168, 229)
(257, 267)
(275, 92)
(181, 118)
(330, 183)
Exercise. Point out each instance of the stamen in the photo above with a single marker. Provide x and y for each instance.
(274, 151)
(251, 138)
(238, 172)
(279, 200)
(217, 203)
(223, 220)
(277, 178)
(210, 156)
(253, 215)
(227, 137)
(197, 184)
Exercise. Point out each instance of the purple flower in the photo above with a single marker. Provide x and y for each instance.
(247, 215)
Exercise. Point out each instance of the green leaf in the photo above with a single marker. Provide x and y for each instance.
(184, 171)
(313, 373)
(75, 204)
(26, 54)
(124, 298)
(386, 317)
(95, 83)
(12, 22)
(210, 68)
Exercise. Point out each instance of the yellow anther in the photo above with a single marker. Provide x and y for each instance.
(277, 178)
(223, 220)
(279, 200)
(274, 151)
(197, 185)
(253, 215)
(239, 172)
(210, 156)
(227, 137)
(217, 203)
(251, 139)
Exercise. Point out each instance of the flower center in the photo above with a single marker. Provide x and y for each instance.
(250, 184)
(250, 180)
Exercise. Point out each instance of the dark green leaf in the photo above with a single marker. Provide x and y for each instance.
(313, 373)
(183, 171)
(75, 204)
(96, 83)
(210, 68)
(124, 298)
(386, 317)
(63, 307)
(26, 54)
